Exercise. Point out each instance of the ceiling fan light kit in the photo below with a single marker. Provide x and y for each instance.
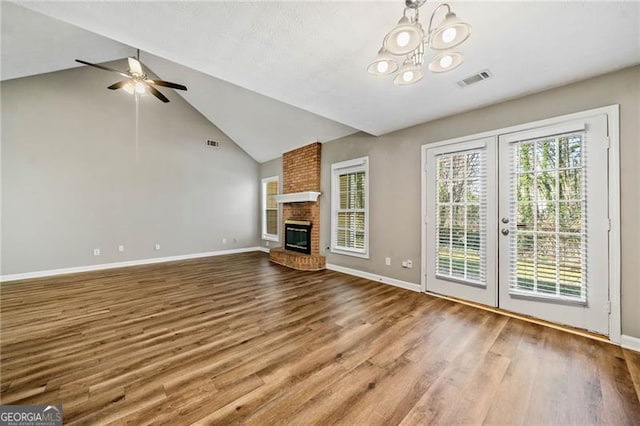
(137, 82)
(408, 39)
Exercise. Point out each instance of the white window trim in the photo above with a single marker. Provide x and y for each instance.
(263, 214)
(357, 164)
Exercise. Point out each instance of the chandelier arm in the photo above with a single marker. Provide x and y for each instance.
(418, 55)
(433, 15)
(415, 15)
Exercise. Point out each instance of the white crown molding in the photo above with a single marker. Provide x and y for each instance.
(99, 267)
(375, 277)
(297, 197)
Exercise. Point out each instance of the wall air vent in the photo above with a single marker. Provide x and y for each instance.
(481, 76)
(213, 143)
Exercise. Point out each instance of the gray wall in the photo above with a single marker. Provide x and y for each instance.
(395, 175)
(71, 180)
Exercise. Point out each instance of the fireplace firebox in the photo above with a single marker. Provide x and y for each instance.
(297, 236)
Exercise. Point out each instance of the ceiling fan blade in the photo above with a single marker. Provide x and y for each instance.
(167, 84)
(134, 66)
(156, 93)
(118, 85)
(104, 68)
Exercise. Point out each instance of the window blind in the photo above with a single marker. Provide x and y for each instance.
(351, 213)
(461, 207)
(548, 201)
(350, 207)
(272, 208)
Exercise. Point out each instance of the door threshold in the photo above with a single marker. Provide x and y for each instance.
(533, 320)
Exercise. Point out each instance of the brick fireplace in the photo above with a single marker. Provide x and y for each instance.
(301, 175)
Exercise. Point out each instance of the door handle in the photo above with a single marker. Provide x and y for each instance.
(505, 220)
(505, 231)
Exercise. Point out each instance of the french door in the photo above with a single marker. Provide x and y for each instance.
(520, 221)
(461, 237)
(554, 225)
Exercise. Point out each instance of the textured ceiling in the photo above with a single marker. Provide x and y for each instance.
(312, 54)
(264, 127)
(32, 44)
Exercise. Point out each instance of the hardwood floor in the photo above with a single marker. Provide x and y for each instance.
(235, 339)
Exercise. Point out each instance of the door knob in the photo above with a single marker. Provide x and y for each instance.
(505, 231)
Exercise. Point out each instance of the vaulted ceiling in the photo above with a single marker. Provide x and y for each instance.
(276, 75)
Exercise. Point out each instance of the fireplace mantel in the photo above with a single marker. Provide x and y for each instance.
(297, 197)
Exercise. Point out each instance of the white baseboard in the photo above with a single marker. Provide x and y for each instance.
(630, 342)
(88, 268)
(263, 249)
(374, 277)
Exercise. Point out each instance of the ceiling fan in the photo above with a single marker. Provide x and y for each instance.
(137, 80)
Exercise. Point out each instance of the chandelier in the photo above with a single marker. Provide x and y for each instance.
(408, 39)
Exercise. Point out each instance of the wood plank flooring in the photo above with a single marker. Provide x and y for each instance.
(236, 339)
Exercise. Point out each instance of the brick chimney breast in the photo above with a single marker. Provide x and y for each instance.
(301, 173)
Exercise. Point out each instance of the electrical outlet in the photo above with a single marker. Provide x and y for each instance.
(387, 261)
(157, 247)
(266, 243)
(224, 241)
(96, 252)
(407, 263)
(120, 248)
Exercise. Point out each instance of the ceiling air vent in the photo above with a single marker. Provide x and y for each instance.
(213, 143)
(482, 75)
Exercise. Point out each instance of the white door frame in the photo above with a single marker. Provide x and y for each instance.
(613, 122)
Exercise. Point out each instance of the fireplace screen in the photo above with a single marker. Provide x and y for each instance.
(297, 236)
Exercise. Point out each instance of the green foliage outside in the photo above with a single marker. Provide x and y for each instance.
(549, 209)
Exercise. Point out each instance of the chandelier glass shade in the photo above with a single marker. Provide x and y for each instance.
(445, 61)
(384, 64)
(409, 39)
(450, 33)
(409, 73)
(404, 38)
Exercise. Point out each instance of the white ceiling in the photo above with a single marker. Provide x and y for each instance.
(34, 44)
(312, 55)
(263, 126)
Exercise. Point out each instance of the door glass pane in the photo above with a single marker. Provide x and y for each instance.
(550, 210)
(461, 214)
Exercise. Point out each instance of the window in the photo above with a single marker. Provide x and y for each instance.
(549, 202)
(461, 215)
(350, 207)
(269, 209)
